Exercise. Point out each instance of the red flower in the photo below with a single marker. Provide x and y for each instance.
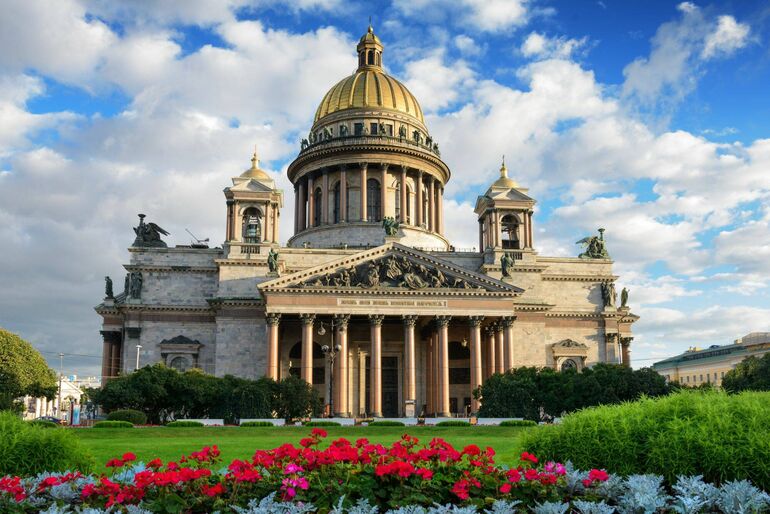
(128, 457)
(155, 464)
(320, 432)
(471, 449)
(306, 442)
(114, 463)
(212, 491)
(505, 488)
(531, 474)
(513, 475)
(425, 474)
(598, 475)
(526, 456)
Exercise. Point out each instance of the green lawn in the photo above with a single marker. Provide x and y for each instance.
(236, 442)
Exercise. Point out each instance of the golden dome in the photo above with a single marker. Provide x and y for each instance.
(254, 172)
(369, 86)
(504, 181)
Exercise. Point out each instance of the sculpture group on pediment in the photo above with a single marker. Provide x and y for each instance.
(132, 287)
(391, 271)
(148, 235)
(391, 225)
(594, 247)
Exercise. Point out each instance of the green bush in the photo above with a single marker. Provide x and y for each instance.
(386, 423)
(256, 424)
(23, 371)
(322, 424)
(184, 423)
(135, 417)
(751, 374)
(28, 449)
(113, 424)
(722, 437)
(518, 423)
(453, 423)
(42, 423)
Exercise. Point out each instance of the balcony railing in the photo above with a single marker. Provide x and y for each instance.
(403, 142)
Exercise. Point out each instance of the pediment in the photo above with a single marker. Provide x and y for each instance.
(390, 267)
(569, 343)
(251, 185)
(509, 194)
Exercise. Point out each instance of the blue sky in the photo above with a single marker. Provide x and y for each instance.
(645, 117)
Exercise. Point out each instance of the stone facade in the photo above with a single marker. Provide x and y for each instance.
(418, 323)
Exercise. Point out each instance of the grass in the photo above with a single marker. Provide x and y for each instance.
(237, 442)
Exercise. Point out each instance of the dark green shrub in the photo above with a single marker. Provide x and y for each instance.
(296, 399)
(135, 417)
(184, 423)
(722, 437)
(23, 371)
(518, 423)
(751, 374)
(453, 423)
(113, 424)
(257, 424)
(322, 424)
(386, 423)
(28, 449)
(43, 423)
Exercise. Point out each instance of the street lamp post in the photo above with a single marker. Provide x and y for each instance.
(138, 347)
(61, 378)
(331, 355)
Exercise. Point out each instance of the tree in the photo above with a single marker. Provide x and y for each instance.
(296, 399)
(751, 374)
(23, 372)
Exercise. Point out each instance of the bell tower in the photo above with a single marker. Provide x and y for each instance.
(253, 212)
(505, 217)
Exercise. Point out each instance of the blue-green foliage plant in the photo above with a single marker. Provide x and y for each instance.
(718, 436)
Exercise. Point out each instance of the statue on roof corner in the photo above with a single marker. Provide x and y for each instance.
(390, 225)
(506, 262)
(594, 247)
(148, 235)
(272, 261)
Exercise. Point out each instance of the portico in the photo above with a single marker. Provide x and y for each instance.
(408, 327)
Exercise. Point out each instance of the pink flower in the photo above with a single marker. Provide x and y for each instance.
(292, 468)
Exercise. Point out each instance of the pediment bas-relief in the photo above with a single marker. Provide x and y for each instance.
(391, 271)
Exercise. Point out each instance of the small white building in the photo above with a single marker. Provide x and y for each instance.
(71, 394)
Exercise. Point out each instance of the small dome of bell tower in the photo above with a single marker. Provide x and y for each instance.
(369, 50)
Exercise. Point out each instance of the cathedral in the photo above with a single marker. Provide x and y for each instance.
(368, 301)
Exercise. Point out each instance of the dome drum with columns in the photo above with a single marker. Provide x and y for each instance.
(419, 324)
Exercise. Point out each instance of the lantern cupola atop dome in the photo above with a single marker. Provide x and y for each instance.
(369, 50)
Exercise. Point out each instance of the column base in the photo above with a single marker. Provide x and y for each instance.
(342, 415)
(409, 409)
(376, 414)
(444, 415)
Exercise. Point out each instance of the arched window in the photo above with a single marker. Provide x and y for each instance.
(373, 199)
(370, 59)
(252, 225)
(179, 364)
(569, 364)
(336, 198)
(510, 228)
(317, 207)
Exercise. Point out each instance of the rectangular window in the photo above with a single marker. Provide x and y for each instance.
(373, 129)
(459, 375)
(701, 378)
(688, 379)
(358, 129)
(389, 130)
(723, 374)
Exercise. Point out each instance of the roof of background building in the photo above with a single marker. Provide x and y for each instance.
(740, 345)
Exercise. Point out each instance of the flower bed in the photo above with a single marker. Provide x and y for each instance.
(362, 477)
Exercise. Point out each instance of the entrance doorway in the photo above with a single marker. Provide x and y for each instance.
(390, 402)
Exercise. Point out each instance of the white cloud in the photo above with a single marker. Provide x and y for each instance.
(483, 15)
(728, 37)
(540, 46)
(435, 84)
(468, 46)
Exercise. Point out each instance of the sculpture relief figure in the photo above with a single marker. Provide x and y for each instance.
(343, 130)
(506, 261)
(381, 129)
(392, 270)
(328, 134)
(108, 288)
(435, 149)
(624, 298)
(594, 247)
(272, 261)
(304, 144)
(402, 132)
(148, 235)
(372, 278)
(366, 130)
(438, 279)
(135, 285)
(413, 281)
(428, 141)
(126, 285)
(417, 137)
(609, 296)
(390, 225)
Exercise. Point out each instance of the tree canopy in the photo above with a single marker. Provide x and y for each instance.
(23, 371)
(751, 374)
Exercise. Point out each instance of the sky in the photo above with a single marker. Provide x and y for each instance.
(646, 117)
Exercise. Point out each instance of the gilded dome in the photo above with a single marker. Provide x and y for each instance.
(369, 86)
(255, 172)
(504, 181)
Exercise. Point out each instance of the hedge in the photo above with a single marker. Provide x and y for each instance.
(257, 424)
(719, 436)
(453, 423)
(29, 449)
(518, 423)
(135, 417)
(184, 423)
(386, 423)
(43, 423)
(113, 424)
(322, 424)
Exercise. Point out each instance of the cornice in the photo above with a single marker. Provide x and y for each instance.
(574, 314)
(563, 277)
(174, 268)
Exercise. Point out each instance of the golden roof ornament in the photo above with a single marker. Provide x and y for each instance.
(254, 172)
(504, 181)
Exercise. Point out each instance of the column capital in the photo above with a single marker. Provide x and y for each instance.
(409, 320)
(489, 330)
(307, 319)
(420, 173)
(363, 165)
(475, 321)
(507, 321)
(442, 321)
(404, 168)
(273, 318)
(611, 336)
(376, 319)
(625, 341)
(384, 166)
(497, 326)
(341, 321)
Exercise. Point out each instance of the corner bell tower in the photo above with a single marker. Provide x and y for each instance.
(505, 217)
(253, 212)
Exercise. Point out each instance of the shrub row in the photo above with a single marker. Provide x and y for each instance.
(135, 417)
(256, 424)
(322, 424)
(386, 423)
(113, 424)
(719, 436)
(184, 423)
(453, 423)
(518, 423)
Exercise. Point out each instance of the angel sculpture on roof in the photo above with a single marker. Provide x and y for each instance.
(148, 235)
(594, 247)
